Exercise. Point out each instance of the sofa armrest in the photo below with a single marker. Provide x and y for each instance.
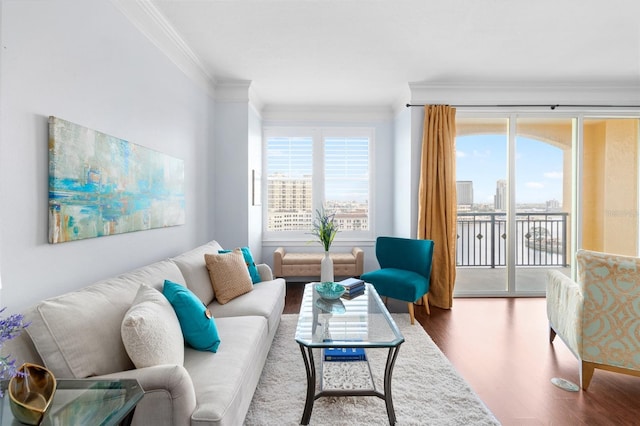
(265, 272)
(278, 255)
(565, 307)
(169, 396)
(358, 253)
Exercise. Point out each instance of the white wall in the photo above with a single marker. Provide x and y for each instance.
(86, 63)
(255, 163)
(417, 125)
(402, 174)
(231, 166)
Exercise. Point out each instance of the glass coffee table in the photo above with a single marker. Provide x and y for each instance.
(85, 402)
(360, 322)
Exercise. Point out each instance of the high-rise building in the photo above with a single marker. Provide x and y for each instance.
(553, 205)
(289, 203)
(500, 200)
(290, 207)
(464, 192)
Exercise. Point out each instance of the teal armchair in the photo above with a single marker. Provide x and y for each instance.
(405, 269)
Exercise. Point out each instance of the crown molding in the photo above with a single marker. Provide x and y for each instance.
(238, 91)
(146, 17)
(525, 93)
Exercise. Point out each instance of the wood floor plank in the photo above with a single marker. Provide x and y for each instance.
(501, 348)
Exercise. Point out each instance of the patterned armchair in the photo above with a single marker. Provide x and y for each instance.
(598, 317)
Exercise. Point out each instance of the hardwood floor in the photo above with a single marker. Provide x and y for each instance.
(501, 348)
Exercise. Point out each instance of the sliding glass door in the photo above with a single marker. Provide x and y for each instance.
(534, 189)
(542, 201)
(514, 203)
(481, 174)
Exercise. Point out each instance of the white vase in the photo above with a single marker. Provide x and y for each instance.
(326, 268)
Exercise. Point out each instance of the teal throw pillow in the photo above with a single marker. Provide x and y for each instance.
(197, 324)
(248, 259)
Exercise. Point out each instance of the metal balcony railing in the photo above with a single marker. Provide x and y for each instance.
(541, 239)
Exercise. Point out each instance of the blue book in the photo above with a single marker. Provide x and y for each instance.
(352, 283)
(356, 289)
(344, 354)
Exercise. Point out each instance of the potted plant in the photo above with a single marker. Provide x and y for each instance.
(325, 229)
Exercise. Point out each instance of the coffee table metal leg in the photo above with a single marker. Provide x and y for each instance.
(388, 370)
(307, 356)
(128, 418)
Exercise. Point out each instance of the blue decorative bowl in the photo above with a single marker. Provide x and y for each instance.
(330, 290)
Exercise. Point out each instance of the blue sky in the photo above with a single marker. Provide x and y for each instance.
(483, 160)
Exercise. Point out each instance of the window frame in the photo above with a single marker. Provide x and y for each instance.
(318, 135)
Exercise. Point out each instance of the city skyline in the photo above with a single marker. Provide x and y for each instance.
(482, 159)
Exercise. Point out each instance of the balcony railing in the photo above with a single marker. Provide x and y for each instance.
(541, 239)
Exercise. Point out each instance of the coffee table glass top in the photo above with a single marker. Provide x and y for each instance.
(85, 402)
(359, 322)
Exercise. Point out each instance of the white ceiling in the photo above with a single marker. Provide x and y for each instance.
(365, 52)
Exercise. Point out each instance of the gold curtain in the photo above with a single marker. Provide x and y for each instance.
(437, 206)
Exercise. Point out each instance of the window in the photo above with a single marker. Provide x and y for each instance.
(311, 168)
(289, 185)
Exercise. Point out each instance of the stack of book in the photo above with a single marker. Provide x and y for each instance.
(344, 354)
(354, 287)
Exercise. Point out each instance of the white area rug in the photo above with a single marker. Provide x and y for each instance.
(427, 390)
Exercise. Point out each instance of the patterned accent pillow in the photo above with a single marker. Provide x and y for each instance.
(229, 275)
(150, 330)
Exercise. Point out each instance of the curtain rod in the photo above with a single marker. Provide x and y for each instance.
(550, 106)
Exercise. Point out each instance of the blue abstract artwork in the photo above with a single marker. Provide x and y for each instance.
(101, 185)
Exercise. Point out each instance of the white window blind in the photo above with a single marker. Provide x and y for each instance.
(309, 169)
(289, 183)
(347, 181)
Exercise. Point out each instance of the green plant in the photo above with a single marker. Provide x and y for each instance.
(324, 228)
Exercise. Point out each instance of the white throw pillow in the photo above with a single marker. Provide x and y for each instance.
(150, 330)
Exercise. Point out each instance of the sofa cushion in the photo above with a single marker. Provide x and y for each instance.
(197, 323)
(194, 270)
(251, 264)
(229, 275)
(78, 335)
(266, 300)
(150, 330)
(225, 383)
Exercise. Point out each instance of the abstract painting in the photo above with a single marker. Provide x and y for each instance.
(100, 185)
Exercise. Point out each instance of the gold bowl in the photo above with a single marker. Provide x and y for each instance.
(31, 393)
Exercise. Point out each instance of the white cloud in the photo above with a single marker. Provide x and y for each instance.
(482, 154)
(460, 154)
(553, 175)
(535, 185)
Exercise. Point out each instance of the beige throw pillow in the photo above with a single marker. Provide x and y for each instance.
(151, 331)
(229, 275)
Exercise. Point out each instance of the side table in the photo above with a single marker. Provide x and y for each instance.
(85, 402)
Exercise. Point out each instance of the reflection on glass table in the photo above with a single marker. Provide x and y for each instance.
(86, 402)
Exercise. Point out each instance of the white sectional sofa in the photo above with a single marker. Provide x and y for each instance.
(78, 335)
